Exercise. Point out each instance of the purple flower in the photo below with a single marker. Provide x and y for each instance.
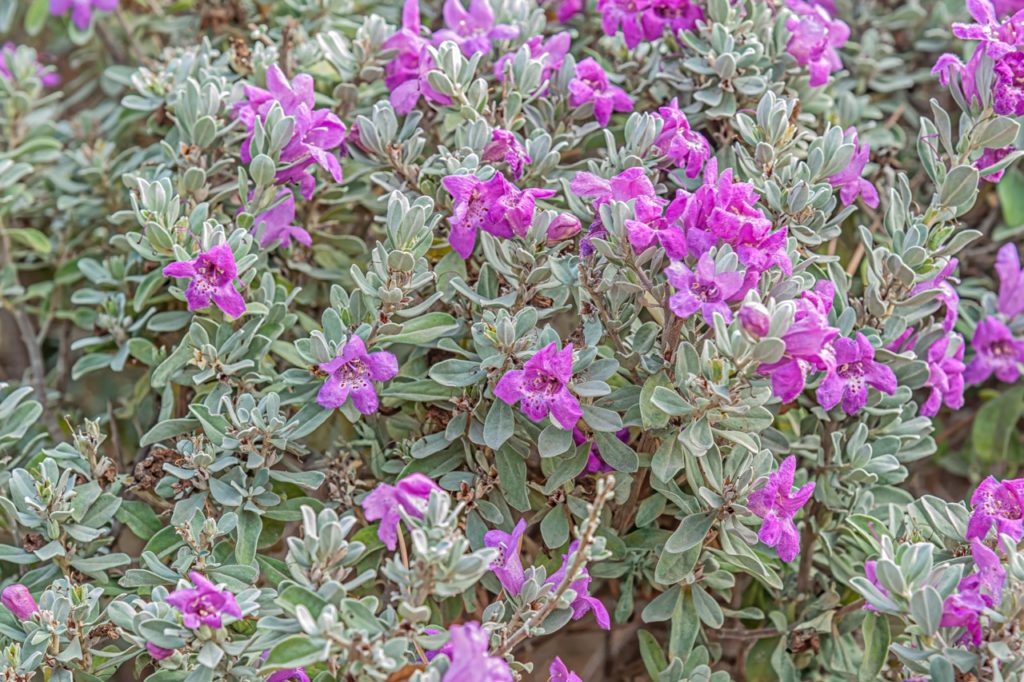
(963, 610)
(351, 375)
(684, 147)
(275, 224)
(212, 274)
(317, 132)
(474, 30)
(1008, 89)
(755, 319)
(630, 184)
(722, 210)
(650, 228)
(81, 10)
(854, 370)
(996, 351)
(203, 604)
(675, 15)
(542, 386)
(471, 660)
(1011, 281)
(158, 653)
(595, 463)
(508, 567)
(870, 574)
(47, 77)
(564, 226)
(19, 601)
(591, 85)
(816, 35)
(997, 38)
(990, 575)
(505, 147)
(1004, 7)
(807, 343)
(558, 672)
(289, 675)
(945, 376)
(991, 157)
(550, 52)
(624, 14)
(567, 9)
(495, 206)
(996, 503)
(849, 181)
(704, 289)
(583, 603)
(406, 75)
(411, 494)
(777, 504)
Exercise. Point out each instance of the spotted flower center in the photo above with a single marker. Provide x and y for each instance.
(706, 291)
(1001, 506)
(353, 371)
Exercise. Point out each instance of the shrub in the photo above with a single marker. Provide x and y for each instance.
(381, 342)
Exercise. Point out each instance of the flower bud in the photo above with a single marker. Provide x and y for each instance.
(158, 652)
(755, 319)
(564, 226)
(19, 601)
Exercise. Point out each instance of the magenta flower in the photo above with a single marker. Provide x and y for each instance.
(624, 14)
(471, 659)
(996, 351)
(722, 210)
(212, 274)
(991, 157)
(505, 147)
(583, 603)
(650, 228)
(1008, 89)
(996, 503)
(945, 376)
(1004, 7)
(542, 387)
(495, 206)
(963, 609)
(384, 503)
(675, 15)
(508, 567)
(630, 184)
(872, 576)
(275, 224)
(807, 343)
(406, 75)
(351, 375)
(591, 85)
(19, 601)
(989, 575)
(289, 675)
(704, 289)
(474, 30)
(815, 38)
(567, 9)
(47, 77)
(777, 504)
(1011, 281)
(558, 672)
(684, 147)
(203, 604)
(997, 38)
(81, 10)
(158, 653)
(854, 370)
(595, 463)
(849, 181)
(317, 133)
